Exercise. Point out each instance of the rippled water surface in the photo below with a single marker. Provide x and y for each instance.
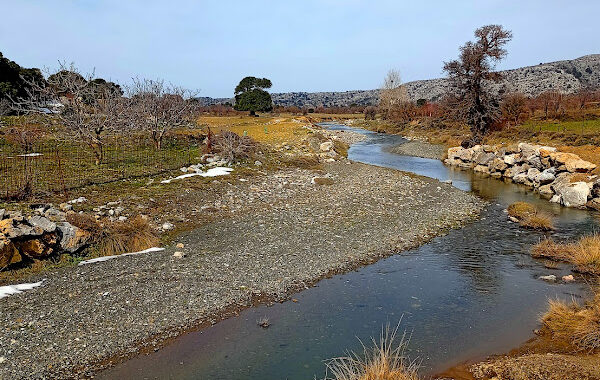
(463, 296)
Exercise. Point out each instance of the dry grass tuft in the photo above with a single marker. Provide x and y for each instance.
(520, 210)
(128, 236)
(584, 254)
(549, 249)
(573, 324)
(385, 360)
(530, 217)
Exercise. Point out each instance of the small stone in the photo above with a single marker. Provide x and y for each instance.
(568, 278)
(179, 245)
(326, 146)
(322, 181)
(257, 163)
(179, 254)
(549, 278)
(168, 226)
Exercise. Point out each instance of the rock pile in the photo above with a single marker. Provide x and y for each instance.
(39, 236)
(561, 177)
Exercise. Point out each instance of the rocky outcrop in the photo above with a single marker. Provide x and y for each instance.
(38, 236)
(562, 177)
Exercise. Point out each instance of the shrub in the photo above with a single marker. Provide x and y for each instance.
(385, 360)
(234, 147)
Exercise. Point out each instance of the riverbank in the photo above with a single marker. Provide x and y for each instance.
(294, 233)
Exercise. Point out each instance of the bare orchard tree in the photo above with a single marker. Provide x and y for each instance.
(160, 107)
(392, 94)
(80, 111)
(470, 73)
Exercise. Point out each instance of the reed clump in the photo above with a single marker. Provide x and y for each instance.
(384, 360)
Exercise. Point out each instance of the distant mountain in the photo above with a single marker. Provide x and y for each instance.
(565, 76)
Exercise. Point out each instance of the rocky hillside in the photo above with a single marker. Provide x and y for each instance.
(566, 76)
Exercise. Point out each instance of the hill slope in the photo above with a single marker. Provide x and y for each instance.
(565, 76)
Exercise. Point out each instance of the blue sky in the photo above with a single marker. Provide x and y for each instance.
(308, 45)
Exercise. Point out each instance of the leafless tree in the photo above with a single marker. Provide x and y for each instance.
(392, 93)
(513, 106)
(83, 111)
(160, 107)
(469, 74)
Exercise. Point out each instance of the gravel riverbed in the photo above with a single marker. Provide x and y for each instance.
(420, 149)
(291, 234)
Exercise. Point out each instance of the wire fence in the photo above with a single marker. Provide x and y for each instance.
(57, 166)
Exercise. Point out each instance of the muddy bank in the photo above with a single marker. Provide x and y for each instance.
(83, 316)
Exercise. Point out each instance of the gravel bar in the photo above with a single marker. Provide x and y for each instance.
(420, 149)
(85, 318)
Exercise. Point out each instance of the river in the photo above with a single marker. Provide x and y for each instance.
(471, 293)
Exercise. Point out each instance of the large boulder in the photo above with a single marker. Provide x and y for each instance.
(72, 239)
(517, 169)
(572, 162)
(498, 165)
(545, 177)
(34, 248)
(460, 153)
(483, 158)
(512, 159)
(42, 222)
(528, 150)
(574, 194)
(532, 174)
(8, 252)
(522, 178)
(546, 191)
(16, 228)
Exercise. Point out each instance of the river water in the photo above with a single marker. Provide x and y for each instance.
(463, 296)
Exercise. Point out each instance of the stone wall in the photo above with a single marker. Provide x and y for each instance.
(561, 177)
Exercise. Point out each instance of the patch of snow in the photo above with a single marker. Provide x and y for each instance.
(30, 155)
(9, 290)
(106, 258)
(214, 172)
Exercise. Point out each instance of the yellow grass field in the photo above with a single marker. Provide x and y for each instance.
(266, 129)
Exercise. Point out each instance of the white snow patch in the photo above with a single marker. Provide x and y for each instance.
(30, 155)
(9, 290)
(106, 258)
(214, 172)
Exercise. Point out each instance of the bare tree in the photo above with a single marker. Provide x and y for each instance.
(392, 93)
(513, 106)
(469, 74)
(160, 107)
(85, 112)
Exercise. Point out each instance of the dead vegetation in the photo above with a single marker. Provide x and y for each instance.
(584, 254)
(574, 324)
(234, 147)
(530, 216)
(114, 238)
(384, 360)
